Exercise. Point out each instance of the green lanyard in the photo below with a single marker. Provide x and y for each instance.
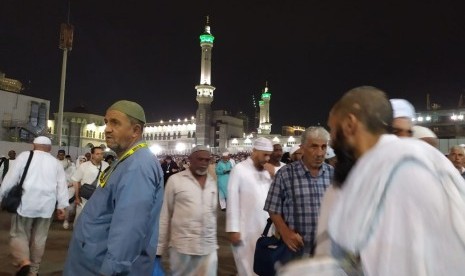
(107, 172)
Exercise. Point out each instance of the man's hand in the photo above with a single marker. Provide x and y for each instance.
(292, 239)
(77, 200)
(235, 238)
(270, 168)
(60, 214)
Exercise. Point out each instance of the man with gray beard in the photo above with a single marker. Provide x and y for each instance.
(188, 218)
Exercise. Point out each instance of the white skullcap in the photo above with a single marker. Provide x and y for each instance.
(42, 140)
(329, 153)
(294, 149)
(422, 132)
(262, 143)
(225, 154)
(462, 145)
(402, 108)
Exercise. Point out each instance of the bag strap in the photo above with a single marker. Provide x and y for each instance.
(267, 227)
(98, 174)
(31, 153)
(5, 168)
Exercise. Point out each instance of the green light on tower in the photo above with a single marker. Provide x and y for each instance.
(206, 38)
(266, 95)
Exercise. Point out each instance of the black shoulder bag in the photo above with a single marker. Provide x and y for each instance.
(12, 199)
(87, 190)
(272, 252)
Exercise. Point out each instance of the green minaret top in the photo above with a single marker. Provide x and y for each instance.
(266, 94)
(207, 37)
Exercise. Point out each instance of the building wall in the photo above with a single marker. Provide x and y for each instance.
(23, 117)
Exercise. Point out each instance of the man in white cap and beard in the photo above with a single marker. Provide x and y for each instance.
(44, 185)
(403, 113)
(248, 187)
(188, 218)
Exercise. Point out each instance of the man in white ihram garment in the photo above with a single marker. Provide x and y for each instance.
(401, 207)
(248, 188)
(398, 205)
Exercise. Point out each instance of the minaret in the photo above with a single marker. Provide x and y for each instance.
(205, 90)
(264, 103)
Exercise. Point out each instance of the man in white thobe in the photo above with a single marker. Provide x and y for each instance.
(248, 187)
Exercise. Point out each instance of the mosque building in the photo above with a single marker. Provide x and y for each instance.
(217, 129)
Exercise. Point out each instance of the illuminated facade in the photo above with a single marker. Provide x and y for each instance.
(79, 129)
(445, 123)
(10, 85)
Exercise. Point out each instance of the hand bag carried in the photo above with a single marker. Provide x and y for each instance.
(12, 199)
(271, 253)
(87, 190)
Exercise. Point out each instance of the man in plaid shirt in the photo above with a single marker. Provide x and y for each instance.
(296, 192)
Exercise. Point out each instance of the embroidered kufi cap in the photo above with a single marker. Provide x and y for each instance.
(42, 140)
(225, 154)
(129, 108)
(262, 143)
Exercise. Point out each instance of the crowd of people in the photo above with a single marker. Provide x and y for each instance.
(371, 193)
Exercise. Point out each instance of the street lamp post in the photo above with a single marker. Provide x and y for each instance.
(66, 44)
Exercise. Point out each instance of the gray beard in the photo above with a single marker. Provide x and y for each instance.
(200, 172)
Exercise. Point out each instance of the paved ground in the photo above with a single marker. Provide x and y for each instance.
(57, 246)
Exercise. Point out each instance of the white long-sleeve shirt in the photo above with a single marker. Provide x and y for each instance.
(44, 185)
(188, 215)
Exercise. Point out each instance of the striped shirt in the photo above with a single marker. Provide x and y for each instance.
(307, 191)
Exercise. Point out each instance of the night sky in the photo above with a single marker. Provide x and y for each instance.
(310, 52)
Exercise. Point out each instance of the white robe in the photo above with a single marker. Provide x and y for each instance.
(402, 209)
(247, 192)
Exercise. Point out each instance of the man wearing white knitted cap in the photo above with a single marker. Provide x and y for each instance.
(403, 113)
(44, 186)
(425, 134)
(247, 190)
(296, 153)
